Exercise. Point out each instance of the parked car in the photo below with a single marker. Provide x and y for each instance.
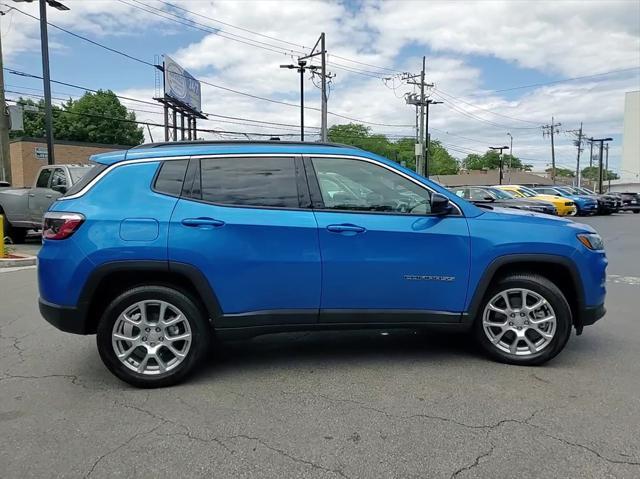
(564, 206)
(585, 204)
(630, 202)
(169, 244)
(504, 199)
(607, 203)
(23, 208)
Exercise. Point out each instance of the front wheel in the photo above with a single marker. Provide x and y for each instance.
(525, 319)
(153, 336)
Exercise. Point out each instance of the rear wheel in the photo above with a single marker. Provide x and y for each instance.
(153, 336)
(525, 319)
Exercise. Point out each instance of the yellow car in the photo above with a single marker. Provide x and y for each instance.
(564, 206)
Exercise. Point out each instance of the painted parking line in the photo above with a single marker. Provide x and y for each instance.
(17, 268)
(616, 278)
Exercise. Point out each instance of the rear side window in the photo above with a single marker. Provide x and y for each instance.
(43, 178)
(90, 174)
(170, 177)
(269, 182)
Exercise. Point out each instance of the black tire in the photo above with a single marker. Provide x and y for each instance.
(553, 295)
(198, 323)
(636, 211)
(15, 235)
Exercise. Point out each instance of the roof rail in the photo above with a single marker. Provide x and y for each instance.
(239, 142)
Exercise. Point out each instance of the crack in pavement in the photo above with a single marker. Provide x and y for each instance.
(75, 380)
(475, 463)
(116, 449)
(284, 453)
(490, 427)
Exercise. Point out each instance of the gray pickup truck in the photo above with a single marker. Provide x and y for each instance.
(23, 208)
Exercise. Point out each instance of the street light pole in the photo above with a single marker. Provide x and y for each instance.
(301, 67)
(44, 45)
(500, 148)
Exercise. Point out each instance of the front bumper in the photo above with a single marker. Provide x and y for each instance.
(65, 318)
(588, 316)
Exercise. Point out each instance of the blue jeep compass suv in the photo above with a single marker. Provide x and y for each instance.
(163, 246)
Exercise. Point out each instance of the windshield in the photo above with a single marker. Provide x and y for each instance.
(527, 192)
(500, 194)
(77, 172)
(566, 191)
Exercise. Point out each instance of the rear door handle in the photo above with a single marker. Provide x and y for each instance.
(346, 229)
(195, 222)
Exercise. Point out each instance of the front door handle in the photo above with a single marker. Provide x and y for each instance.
(195, 222)
(49, 196)
(346, 228)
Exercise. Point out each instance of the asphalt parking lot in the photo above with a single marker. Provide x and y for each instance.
(349, 405)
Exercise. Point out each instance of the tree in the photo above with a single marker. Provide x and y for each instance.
(96, 117)
(491, 161)
(401, 150)
(593, 173)
(563, 172)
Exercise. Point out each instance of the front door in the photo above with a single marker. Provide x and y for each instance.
(242, 224)
(384, 258)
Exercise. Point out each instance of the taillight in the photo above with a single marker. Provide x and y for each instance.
(58, 225)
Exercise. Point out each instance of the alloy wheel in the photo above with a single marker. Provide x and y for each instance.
(519, 321)
(151, 337)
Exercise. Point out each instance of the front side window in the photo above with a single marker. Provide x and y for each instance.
(355, 185)
(43, 178)
(262, 181)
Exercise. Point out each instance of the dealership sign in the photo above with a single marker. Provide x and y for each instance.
(180, 85)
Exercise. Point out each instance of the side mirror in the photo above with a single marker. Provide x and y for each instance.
(489, 198)
(440, 205)
(60, 189)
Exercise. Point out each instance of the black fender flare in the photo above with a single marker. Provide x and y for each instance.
(194, 275)
(497, 263)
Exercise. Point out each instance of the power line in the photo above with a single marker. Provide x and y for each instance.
(274, 38)
(484, 109)
(553, 82)
(231, 90)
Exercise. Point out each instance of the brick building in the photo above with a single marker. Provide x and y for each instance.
(29, 154)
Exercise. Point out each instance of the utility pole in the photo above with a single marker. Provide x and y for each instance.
(551, 130)
(428, 102)
(601, 141)
(422, 102)
(322, 52)
(606, 168)
(500, 148)
(578, 143)
(510, 150)
(591, 155)
(5, 163)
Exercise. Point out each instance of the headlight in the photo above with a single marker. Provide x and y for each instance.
(591, 241)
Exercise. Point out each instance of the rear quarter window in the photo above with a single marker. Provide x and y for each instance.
(171, 177)
(90, 174)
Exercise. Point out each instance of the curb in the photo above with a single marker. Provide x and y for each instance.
(16, 262)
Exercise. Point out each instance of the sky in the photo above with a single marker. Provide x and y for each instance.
(498, 66)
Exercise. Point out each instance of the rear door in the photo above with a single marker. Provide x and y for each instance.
(41, 196)
(384, 258)
(245, 223)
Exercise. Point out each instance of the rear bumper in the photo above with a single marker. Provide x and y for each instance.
(65, 318)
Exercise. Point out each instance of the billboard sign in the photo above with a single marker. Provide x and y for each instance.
(180, 85)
